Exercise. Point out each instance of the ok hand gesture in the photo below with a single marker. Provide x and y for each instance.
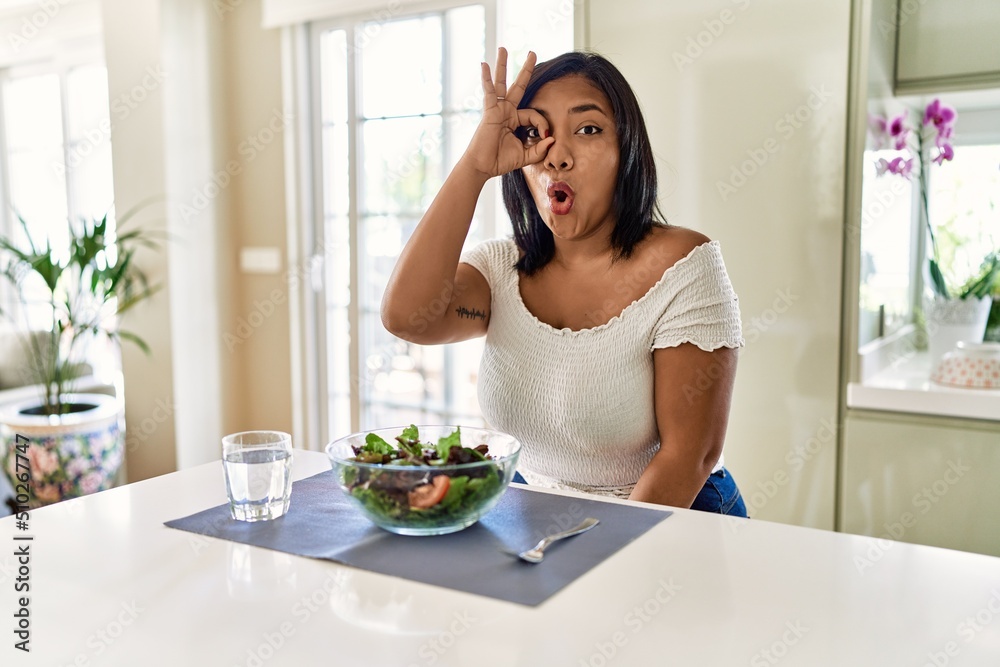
(495, 149)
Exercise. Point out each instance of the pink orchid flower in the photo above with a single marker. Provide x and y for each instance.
(878, 128)
(899, 131)
(897, 166)
(901, 167)
(945, 154)
(940, 115)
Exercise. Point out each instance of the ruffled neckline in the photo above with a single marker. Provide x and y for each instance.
(566, 331)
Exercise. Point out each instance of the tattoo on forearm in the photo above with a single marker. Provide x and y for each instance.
(470, 314)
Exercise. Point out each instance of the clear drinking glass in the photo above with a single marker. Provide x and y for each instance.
(258, 467)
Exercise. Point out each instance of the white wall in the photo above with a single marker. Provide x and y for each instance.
(254, 138)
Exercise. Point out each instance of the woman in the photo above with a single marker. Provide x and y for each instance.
(610, 335)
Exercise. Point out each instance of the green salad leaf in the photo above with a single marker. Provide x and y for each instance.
(456, 492)
(376, 445)
(445, 444)
(409, 441)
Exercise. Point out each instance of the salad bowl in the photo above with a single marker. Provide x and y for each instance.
(424, 480)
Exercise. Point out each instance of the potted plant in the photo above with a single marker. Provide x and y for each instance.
(76, 440)
(953, 311)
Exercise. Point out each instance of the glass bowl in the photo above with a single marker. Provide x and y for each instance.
(396, 496)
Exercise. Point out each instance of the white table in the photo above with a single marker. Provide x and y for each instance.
(111, 585)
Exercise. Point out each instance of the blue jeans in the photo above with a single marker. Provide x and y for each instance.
(719, 495)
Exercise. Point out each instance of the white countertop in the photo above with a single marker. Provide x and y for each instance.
(906, 387)
(111, 585)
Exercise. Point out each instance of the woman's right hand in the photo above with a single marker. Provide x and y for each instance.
(495, 149)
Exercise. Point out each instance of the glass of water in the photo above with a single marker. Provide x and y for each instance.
(258, 466)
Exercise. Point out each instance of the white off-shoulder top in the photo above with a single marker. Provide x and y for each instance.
(581, 402)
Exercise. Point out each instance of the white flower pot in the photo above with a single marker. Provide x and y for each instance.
(67, 455)
(952, 320)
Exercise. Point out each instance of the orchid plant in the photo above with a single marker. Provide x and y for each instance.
(929, 142)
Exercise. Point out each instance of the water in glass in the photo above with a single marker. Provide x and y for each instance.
(258, 481)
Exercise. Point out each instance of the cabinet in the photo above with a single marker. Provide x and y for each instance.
(923, 480)
(945, 44)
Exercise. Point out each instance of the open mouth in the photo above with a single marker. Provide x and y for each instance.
(560, 197)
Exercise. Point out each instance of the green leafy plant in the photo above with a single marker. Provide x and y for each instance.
(85, 288)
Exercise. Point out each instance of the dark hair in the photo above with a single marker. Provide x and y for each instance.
(634, 204)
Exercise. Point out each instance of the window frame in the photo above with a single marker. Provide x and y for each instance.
(60, 64)
(318, 386)
(979, 115)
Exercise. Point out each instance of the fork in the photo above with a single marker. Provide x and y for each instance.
(537, 552)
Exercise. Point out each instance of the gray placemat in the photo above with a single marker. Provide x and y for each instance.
(321, 523)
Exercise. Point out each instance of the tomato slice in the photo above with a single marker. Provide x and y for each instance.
(429, 495)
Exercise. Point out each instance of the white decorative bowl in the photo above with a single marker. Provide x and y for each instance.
(970, 365)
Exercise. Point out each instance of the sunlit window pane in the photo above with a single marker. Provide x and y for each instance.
(340, 382)
(542, 26)
(91, 182)
(402, 164)
(46, 188)
(38, 193)
(460, 128)
(87, 96)
(392, 366)
(338, 262)
(336, 180)
(382, 241)
(341, 385)
(464, 378)
(33, 113)
(965, 210)
(886, 273)
(401, 67)
(387, 416)
(333, 57)
(466, 30)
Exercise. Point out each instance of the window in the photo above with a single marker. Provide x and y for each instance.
(964, 203)
(56, 157)
(397, 102)
(411, 116)
(887, 251)
(965, 209)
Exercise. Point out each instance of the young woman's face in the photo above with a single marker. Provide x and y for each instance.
(573, 186)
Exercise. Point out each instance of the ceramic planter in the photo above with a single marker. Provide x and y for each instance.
(952, 320)
(69, 455)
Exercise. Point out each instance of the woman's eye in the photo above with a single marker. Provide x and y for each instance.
(531, 133)
(590, 129)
